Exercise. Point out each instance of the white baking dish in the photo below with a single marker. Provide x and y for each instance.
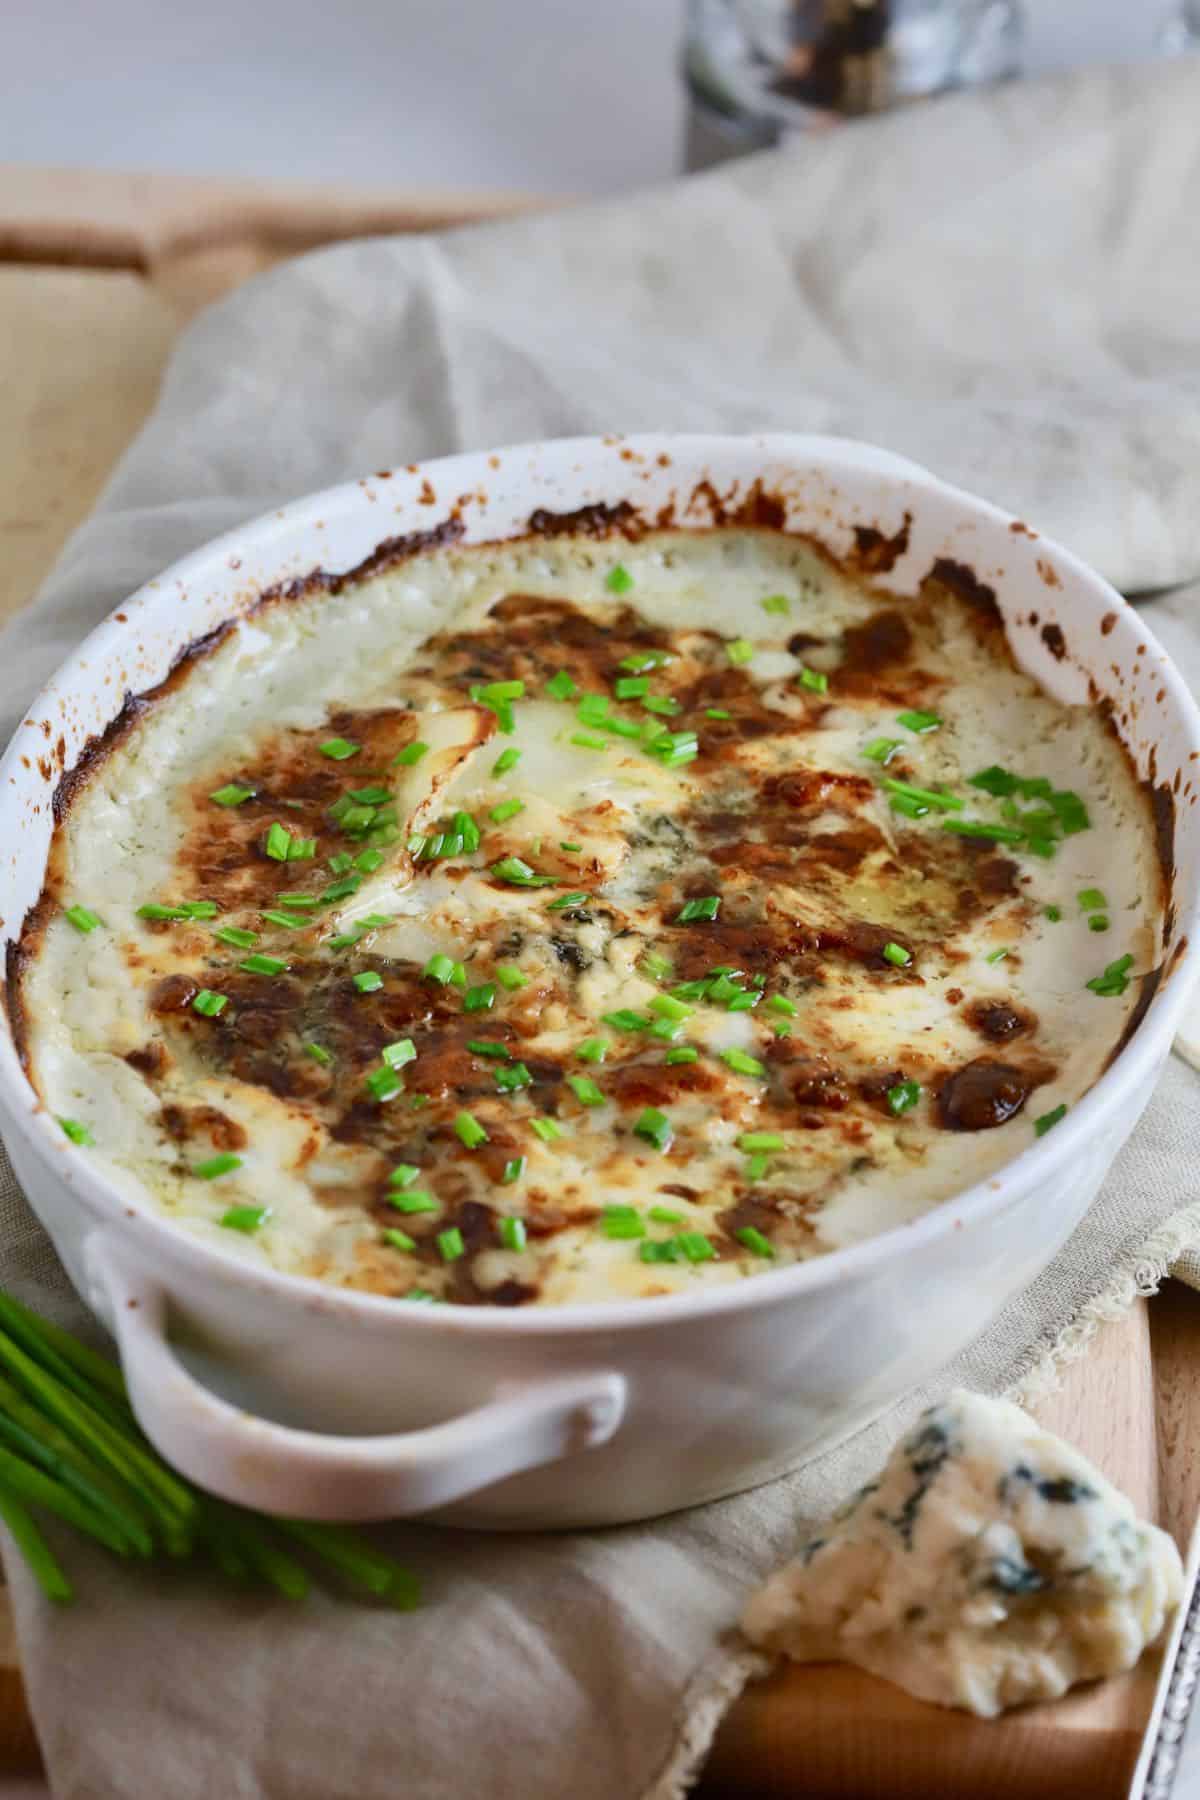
(581, 1415)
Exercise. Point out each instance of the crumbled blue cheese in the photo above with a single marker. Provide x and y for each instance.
(988, 1564)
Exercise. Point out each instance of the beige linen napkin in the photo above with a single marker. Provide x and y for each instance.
(1001, 286)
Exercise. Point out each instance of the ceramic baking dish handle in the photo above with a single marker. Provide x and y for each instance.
(314, 1475)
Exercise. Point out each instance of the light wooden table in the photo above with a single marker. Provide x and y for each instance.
(97, 275)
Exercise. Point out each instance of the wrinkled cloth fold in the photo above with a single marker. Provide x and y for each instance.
(1001, 286)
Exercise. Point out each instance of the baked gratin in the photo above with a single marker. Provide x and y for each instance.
(586, 917)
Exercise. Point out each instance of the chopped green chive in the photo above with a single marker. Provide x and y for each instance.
(514, 1168)
(776, 603)
(399, 1240)
(338, 865)
(622, 1222)
(319, 1054)
(625, 1019)
(78, 1134)
(897, 955)
(413, 1202)
(450, 1244)
(979, 828)
(667, 1006)
(368, 861)
(638, 661)
(1114, 980)
(1091, 900)
(208, 1004)
(1098, 922)
(488, 1047)
(507, 809)
(673, 748)
(411, 754)
(368, 981)
(289, 920)
(656, 965)
(684, 1053)
(585, 1090)
(903, 1097)
(814, 681)
(83, 919)
(918, 721)
(396, 1054)
(717, 712)
(618, 580)
(233, 934)
(655, 1128)
(666, 1215)
(517, 873)
(561, 686)
(231, 794)
(245, 1218)
(223, 1164)
(658, 1251)
(743, 1064)
(1071, 811)
(403, 1175)
(384, 1084)
(469, 1131)
(760, 1140)
(481, 998)
(996, 781)
(881, 749)
(512, 1231)
(507, 759)
(927, 797)
(342, 890)
(592, 709)
(547, 1129)
(567, 901)
(739, 650)
(337, 749)
(370, 796)
(278, 841)
(665, 705)
(1049, 1120)
(510, 977)
(756, 1165)
(263, 965)
(511, 1077)
(1053, 913)
(695, 1246)
(754, 1240)
(707, 908)
(998, 956)
(564, 845)
(632, 687)
(438, 968)
(781, 1004)
(589, 740)
(593, 1050)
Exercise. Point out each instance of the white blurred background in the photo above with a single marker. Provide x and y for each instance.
(550, 96)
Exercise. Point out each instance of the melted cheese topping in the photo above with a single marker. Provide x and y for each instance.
(899, 1002)
(989, 1564)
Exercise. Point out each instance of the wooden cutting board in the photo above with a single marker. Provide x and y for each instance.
(98, 273)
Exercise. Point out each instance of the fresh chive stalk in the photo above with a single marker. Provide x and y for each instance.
(69, 1445)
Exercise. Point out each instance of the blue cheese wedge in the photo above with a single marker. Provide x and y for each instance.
(671, 928)
(987, 1565)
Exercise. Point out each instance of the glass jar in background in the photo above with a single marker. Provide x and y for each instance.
(1182, 28)
(759, 69)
